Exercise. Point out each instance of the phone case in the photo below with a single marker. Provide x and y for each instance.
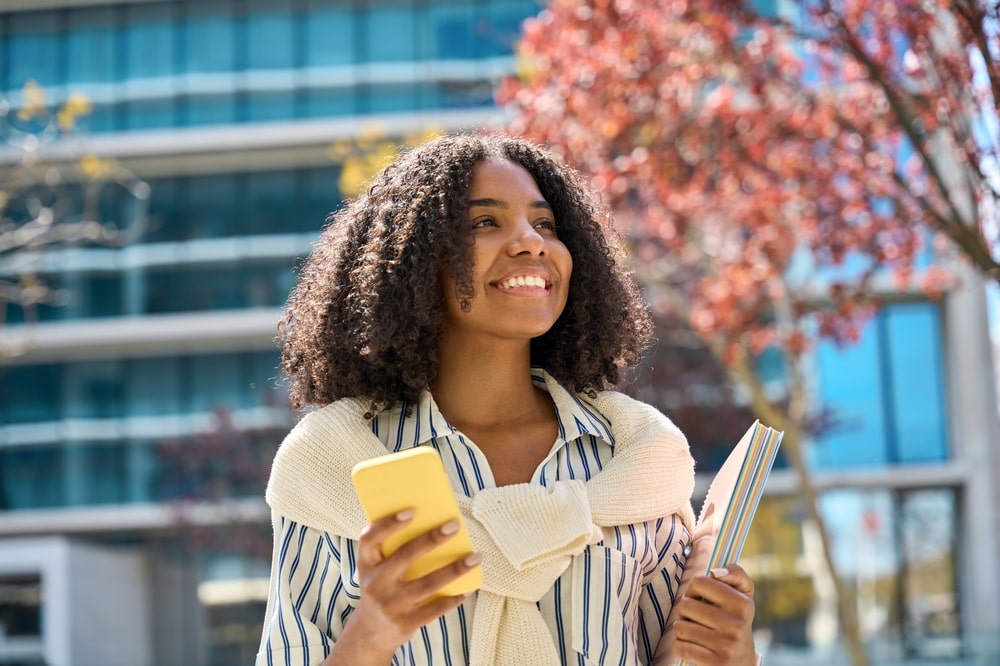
(416, 478)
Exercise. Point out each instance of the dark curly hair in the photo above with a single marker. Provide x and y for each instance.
(366, 315)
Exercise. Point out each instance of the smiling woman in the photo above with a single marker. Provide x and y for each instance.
(470, 301)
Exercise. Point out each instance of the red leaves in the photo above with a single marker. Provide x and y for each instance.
(736, 149)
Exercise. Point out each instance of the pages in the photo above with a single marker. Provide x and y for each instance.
(735, 493)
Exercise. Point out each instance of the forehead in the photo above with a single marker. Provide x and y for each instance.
(498, 176)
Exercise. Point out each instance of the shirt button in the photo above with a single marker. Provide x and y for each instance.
(687, 550)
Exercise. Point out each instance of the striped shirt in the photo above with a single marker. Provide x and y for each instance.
(609, 607)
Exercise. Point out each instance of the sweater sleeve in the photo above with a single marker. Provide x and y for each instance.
(661, 583)
(307, 603)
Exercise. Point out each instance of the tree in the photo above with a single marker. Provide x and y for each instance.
(772, 171)
(50, 202)
(206, 475)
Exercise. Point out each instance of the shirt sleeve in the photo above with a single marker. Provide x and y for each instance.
(661, 583)
(307, 604)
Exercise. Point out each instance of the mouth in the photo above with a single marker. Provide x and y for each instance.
(533, 283)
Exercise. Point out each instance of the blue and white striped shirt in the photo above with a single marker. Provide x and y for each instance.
(615, 617)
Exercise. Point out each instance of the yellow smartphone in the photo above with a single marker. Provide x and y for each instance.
(416, 479)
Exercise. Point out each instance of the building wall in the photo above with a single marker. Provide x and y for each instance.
(96, 601)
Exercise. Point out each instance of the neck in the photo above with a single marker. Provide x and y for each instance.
(486, 386)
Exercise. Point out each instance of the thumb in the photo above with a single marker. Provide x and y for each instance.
(734, 576)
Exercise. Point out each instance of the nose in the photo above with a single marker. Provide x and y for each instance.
(525, 239)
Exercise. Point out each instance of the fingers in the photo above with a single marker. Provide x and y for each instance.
(389, 574)
(715, 618)
(727, 587)
(392, 608)
(375, 534)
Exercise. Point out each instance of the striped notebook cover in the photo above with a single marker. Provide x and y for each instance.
(734, 495)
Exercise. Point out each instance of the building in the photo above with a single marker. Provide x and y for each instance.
(239, 114)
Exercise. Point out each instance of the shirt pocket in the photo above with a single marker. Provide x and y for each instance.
(605, 592)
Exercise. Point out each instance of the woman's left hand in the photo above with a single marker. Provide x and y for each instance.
(714, 620)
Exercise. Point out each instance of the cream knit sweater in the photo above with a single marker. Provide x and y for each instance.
(527, 533)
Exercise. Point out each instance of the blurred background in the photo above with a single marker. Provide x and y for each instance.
(808, 191)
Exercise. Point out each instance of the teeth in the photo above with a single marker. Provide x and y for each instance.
(523, 281)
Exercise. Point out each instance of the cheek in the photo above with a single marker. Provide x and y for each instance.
(566, 263)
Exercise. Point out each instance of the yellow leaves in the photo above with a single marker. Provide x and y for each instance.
(359, 169)
(525, 67)
(96, 168)
(77, 105)
(373, 150)
(34, 106)
(34, 101)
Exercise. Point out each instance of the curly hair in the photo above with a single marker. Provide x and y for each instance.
(366, 315)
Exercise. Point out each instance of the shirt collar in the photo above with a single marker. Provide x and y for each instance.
(576, 418)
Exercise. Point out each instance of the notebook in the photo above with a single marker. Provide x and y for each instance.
(731, 501)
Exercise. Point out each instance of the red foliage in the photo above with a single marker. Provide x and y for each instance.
(739, 148)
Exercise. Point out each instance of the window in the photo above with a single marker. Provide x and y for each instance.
(271, 202)
(33, 48)
(335, 102)
(93, 389)
(263, 106)
(265, 385)
(210, 109)
(154, 386)
(329, 34)
(391, 33)
(29, 393)
(90, 48)
(265, 283)
(215, 382)
(209, 37)
(912, 342)
(453, 30)
(895, 549)
(148, 67)
(149, 41)
(192, 288)
(320, 196)
(96, 473)
(210, 206)
(93, 295)
(20, 606)
(386, 98)
(502, 27)
(886, 392)
(32, 478)
(270, 42)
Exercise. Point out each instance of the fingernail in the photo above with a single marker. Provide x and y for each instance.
(405, 514)
(473, 559)
(450, 527)
(720, 572)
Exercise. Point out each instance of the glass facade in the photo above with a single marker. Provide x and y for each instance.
(113, 431)
(896, 551)
(886, 393)
(216, 241)
(155, 65)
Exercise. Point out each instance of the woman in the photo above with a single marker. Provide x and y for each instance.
(471, 301)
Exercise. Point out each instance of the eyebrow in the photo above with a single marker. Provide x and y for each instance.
(497, 203)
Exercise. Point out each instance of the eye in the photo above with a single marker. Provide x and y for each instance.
(546, 224)
(483, 221)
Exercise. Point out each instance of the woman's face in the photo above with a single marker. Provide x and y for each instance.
(521, 269)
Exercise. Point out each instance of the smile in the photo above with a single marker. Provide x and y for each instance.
(523, 281)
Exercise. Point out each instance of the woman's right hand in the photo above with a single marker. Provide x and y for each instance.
(392, 609)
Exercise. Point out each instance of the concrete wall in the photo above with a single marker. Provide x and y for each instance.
(95, 601)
